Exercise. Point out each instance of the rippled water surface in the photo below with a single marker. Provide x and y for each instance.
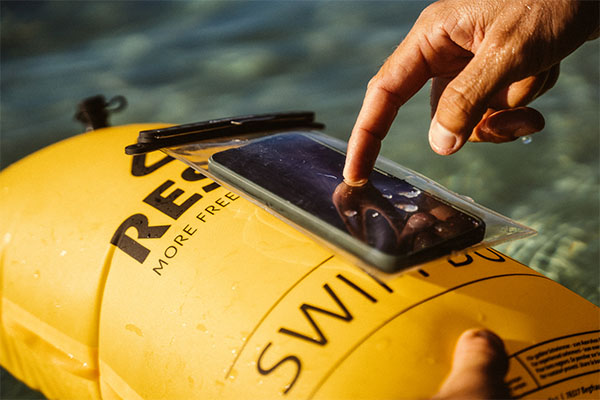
(189, 61)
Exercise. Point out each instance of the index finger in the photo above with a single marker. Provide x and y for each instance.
(400, 77)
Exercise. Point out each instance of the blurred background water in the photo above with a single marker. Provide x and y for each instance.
(183, 61)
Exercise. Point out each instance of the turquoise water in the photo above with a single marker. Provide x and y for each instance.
(189, 61)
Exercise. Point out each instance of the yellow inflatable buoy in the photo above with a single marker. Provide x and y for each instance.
(139, 278)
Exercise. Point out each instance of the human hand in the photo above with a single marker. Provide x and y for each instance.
(478, 368)
(488, 60)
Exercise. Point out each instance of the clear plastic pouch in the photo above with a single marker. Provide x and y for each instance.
(285, 164)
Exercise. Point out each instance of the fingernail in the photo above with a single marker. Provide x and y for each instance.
(524, 132)
(441, 139)
(491, 337)
(356, 183)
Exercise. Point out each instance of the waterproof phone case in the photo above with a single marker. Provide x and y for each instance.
(387, 222)
(398, 220)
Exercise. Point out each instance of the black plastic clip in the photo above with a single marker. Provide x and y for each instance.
(93, 111)
(156, 139)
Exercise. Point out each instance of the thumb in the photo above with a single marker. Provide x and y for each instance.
(478, 368)
(465, 99)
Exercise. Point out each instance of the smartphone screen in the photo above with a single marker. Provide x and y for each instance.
(388, 223)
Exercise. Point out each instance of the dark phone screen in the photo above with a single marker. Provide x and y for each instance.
(388, 213)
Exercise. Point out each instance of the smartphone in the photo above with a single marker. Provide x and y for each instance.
(387, 223)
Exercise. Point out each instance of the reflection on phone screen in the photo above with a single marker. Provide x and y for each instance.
(387, 213)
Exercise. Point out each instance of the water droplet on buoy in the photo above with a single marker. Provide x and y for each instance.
(134, 329)
(382, 344)
(481, 317)
(232, 375)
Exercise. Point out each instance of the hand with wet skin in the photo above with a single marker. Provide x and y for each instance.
(488, 60)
